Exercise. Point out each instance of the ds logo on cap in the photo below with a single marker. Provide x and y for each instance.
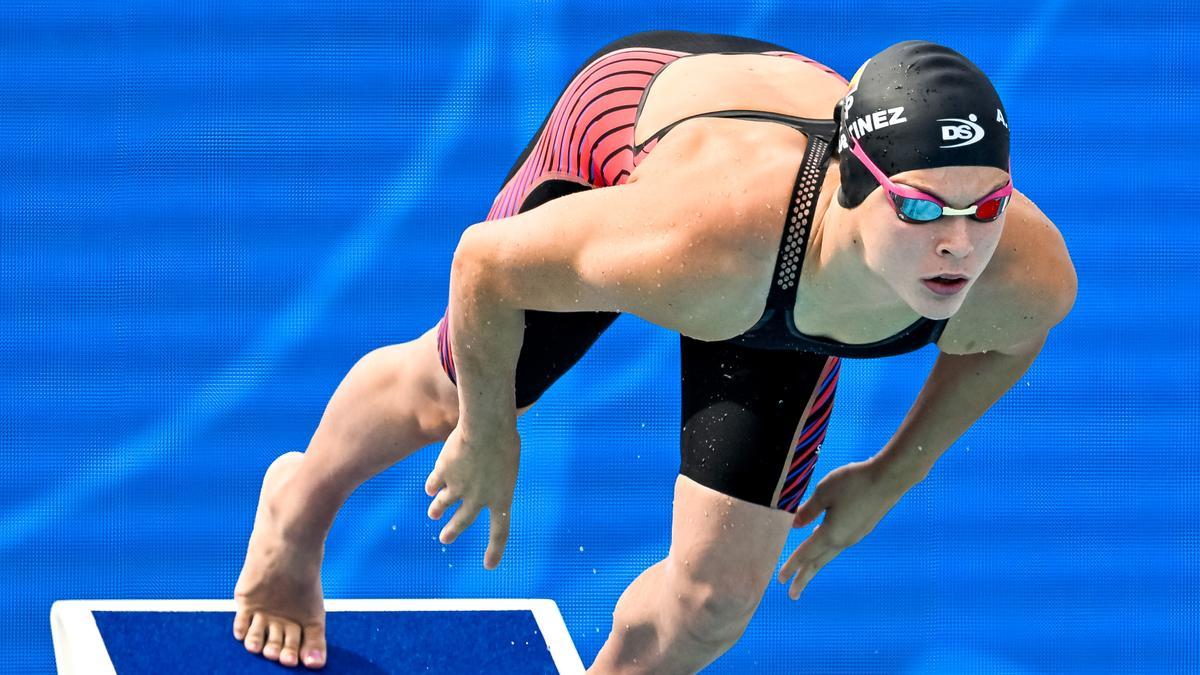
(966, 131)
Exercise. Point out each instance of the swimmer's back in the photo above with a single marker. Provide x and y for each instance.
(701, 83)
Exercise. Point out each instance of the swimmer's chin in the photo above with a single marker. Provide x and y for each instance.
(937, 309)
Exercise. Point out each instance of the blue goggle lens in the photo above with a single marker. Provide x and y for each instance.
(918, 210)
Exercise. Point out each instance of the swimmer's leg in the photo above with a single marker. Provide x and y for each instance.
(394, 401)
(689, 608)
(752, 423)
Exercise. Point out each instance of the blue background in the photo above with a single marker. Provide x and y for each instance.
(210, 210)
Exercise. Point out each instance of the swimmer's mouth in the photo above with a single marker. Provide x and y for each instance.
(946, 284)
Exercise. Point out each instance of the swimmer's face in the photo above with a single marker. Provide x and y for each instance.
(906, 254)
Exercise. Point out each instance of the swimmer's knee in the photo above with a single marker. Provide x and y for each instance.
(401, 380)
(712, 610)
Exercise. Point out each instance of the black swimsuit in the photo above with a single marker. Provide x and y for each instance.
(755, 408)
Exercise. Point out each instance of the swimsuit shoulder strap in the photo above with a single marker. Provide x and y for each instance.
(798, 226)
(808, 126)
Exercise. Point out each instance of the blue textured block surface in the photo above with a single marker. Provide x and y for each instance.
(446, 643)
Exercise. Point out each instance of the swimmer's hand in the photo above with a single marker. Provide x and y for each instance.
(481, 471)
(854, 497)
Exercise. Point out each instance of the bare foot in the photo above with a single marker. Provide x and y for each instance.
(280, 612)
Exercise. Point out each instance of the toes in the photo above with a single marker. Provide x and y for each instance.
(291, 644)
(312, 650)
(241, 623)
(274, 640)
(255, 633)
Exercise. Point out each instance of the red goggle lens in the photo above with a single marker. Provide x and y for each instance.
(991, 209)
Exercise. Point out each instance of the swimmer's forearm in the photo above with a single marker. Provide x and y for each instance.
(959, 390)
(485, 339)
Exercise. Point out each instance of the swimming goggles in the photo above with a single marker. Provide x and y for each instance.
(914, 206)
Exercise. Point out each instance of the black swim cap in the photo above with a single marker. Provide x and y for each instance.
(918, 105)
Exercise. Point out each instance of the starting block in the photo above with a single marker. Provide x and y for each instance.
(364, 636)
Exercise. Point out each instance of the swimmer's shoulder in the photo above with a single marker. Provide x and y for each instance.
(1028, 287)
(731, 181)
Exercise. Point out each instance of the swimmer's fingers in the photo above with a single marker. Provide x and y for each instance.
(500, 521)
(444, 500)
(435, 481)
(808, 570)
(808, 511)
(463, 517)
(807, 559)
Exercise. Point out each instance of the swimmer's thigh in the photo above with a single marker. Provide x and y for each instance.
(752, 423)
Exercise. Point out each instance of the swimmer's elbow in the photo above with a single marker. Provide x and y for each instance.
(520, 263)
(1069, 292)
(471, 266)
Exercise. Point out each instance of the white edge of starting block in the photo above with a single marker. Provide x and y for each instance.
(85, 652)
(78, 647)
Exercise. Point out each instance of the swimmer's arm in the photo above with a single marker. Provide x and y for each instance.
(626, 248)
(959, 390)
(1009, 323)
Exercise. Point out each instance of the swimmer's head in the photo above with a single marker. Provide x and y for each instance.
(918, 105)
